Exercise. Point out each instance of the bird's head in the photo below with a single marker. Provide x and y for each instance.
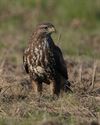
(46, 28)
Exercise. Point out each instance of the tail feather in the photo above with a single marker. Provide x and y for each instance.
(67, 87)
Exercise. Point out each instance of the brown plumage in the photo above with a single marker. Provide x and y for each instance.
(44, 62)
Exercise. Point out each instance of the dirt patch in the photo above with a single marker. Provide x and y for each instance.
(18, 100)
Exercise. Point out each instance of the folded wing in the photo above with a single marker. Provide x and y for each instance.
(60, 62)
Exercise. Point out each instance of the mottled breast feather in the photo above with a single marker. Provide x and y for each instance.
(42, 59)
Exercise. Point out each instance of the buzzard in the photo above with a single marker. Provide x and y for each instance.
(44, 62)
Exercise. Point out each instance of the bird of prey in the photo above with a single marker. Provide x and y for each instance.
(44, 62)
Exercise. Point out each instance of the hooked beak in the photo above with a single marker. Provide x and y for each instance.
(51, 30)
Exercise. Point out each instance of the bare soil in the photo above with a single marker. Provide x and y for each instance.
(17, 100)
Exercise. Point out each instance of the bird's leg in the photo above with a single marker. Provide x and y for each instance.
(37, 87)
(54, 88)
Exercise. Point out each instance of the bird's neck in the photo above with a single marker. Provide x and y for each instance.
(50, 40)
(38, 39)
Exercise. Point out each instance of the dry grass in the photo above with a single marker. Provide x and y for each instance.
(17, 100)
(79, 28)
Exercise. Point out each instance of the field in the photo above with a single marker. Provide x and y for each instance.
(79, 29)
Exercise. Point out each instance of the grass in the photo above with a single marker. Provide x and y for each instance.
(32, 121)
(86, 12)
(2, 45)
(18, 105)
(78, 22)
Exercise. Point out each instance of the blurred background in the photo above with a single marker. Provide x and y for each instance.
(78, 26)
(77, 21)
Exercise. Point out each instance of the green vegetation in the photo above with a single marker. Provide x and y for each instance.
(78, 23)
(75, 20)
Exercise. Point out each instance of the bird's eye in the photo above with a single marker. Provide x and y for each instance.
(46, 27)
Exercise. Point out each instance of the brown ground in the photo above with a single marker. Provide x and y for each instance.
(83, 105)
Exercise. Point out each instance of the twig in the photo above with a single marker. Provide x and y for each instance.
(80, 72)
(1, 66)
(59, 38)
(4, 113)
(93, 75)
(6, 88)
